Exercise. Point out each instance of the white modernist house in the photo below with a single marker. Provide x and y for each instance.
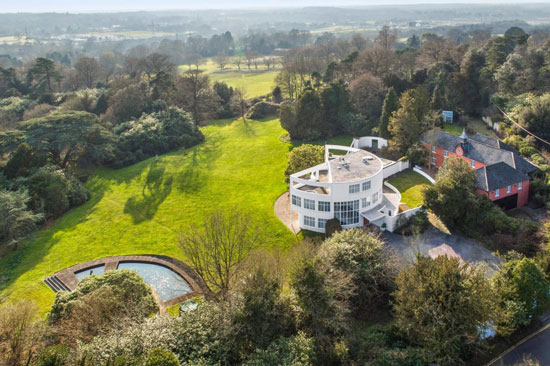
(349, 187)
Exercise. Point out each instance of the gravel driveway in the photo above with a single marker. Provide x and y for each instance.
(432, 239)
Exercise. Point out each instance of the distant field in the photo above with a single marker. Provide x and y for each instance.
(140, 209)
(15, 40)
(257, 82)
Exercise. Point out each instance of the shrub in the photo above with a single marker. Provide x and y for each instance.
(55, 355)
(263, 109)
(161, 357)
(294, 351)
(16, 220)
(416, 224)
(101, 303)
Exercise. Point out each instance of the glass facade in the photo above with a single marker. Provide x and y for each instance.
(347, 212)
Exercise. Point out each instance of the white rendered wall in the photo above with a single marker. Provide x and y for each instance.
(366, 142)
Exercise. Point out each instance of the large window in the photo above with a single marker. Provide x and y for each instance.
(366, 186)
(321, 223)
(296, 201)
(323, 206)
(309, 204)
(309, 221)
(354, 188)
(347, 212)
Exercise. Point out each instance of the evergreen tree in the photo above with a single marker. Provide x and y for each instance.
(390, 105)
(404, 124)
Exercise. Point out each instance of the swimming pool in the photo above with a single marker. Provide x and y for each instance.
(97, 270)
(167, 283)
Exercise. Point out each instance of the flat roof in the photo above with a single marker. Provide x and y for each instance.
(354, 166)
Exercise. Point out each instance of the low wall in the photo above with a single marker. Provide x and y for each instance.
(366, 142)
(392, 222)
(423, 173)
(395, 167)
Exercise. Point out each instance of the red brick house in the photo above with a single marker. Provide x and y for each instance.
(501, 173)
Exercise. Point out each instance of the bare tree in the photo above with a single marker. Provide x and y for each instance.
(222, 60)
(196, 96)
(239, 102)
(250, 57)
(87, 69)
(386, 38)
(20, 333)
(217, 250)
(238, 61)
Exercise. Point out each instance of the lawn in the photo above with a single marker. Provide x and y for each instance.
(257, 82)
(141, 208)
(477, 125)
(410, 184)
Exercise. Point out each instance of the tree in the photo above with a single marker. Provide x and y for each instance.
(391, 104)
(523, 293)
(20, 333)
(367, 96)
(322, 294)
(217, 250)
(87, 69)
(239, 102)
(16, 219)
(196, 96)
(222, 59)
(517, 34)
(304, 120)
(386, 38)
(100, 304)
(304, 157)
(367, 260)
(21, 160)
(441, 305)
(452, 198)
(43, 72)
(263, 316)
(335, 108)
(69, 138)
(404, 126)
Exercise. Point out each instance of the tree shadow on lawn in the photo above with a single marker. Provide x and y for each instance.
(143, 207)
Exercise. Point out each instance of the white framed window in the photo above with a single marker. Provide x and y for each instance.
(446, 154)
(433, 149)
(321, 223)
(309, 204)
(296, 201)
(375, 197)
(520, 186)
(354, 188)
(309, 221)
(363, 202)
(323, 206)
(347, 212)
(497, 193)
(473, 163)
(433, 160)
(508, 189)
(366, 186)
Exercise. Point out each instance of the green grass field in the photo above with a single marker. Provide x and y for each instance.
(141, 208)
(410, 184)
(257, 82)
(477, 125)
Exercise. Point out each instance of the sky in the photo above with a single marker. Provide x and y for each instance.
(11, 6)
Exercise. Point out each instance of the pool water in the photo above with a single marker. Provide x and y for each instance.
(97, 270)
(167, 283)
